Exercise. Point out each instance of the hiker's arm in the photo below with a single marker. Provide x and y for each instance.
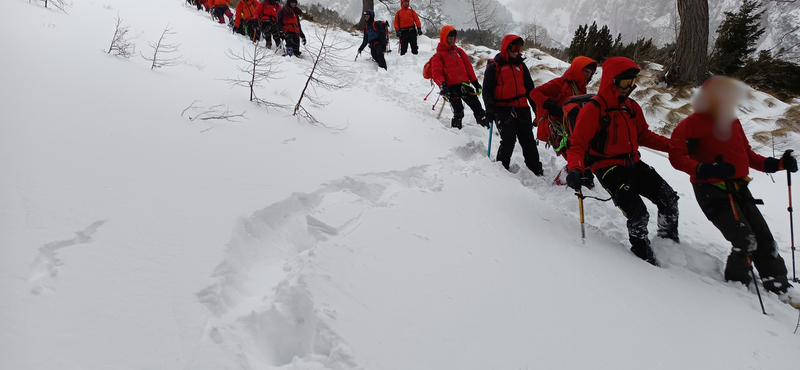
(489, 84)
(416, 18)
(529, 85)
(585, 129)
(468, 65)
(756, 161)
(437, 70)
(679, 150)
(549, 90)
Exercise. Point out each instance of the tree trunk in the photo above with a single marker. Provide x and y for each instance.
(689, 63)
(365, 5)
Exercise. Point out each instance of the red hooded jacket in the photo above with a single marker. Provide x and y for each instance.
(451, 64)
(627, 128)
(572, 83)
(506, 83)
(267, 11)
(406, 18)
(693, 142)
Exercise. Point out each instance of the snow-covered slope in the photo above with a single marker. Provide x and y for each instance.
(133, 238)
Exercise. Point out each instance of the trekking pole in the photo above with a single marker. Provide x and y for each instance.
(729, 186)
(431, 92)
(491, 127)
(580, 208)
(791, 219)
(758, 292)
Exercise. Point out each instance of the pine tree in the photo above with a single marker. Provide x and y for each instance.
(737, 39)
(578, 45)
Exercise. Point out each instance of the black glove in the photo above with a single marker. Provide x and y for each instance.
(477, 86)
(491, 115)
(398, 34)
(575, 179)
(304, 39)
(282, 35)
(445, 91)
(789, 162)
(552, 108)
(419, 31)
(719, 170)
(588, 179)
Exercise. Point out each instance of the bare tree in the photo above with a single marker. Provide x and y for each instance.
(689, 63)
(120, 45)
(326, 72)
(430, 12)
(214, 112)
(485, 15)
(533, 33)
(258, 66)
(163, 53)
(57, 4)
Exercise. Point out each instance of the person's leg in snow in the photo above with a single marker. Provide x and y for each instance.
(412, 40)
(623, 185)
(458, 111)
(654, 188)
(750, 234)
(527, 141)
(404, 38)
(292, 41)
(507, 128)
(477, 109)
(377, 51)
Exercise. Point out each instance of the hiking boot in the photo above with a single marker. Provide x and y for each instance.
(778, 285)
(643, 250)
(536, 168)
(737, 268)
(456, 123)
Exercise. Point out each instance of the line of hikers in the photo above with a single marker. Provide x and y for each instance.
(595, 133)
(266, 18)
(601, 134)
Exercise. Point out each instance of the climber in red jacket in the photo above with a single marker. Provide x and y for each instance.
(452, 71)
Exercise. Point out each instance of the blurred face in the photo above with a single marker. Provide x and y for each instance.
(366, 17)
(588, 73)
(291, 5)
(406, 2)
(451, 40)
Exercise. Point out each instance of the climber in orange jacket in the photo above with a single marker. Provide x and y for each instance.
(407, 26)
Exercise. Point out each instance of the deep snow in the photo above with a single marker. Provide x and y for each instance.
(133, 238)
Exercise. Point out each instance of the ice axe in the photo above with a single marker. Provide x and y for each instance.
(491, 128)
(580, 209)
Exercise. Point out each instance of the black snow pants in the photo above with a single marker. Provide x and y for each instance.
(408, 36)
(270, 31)
(377, 50)
(749, 235)
(517, 124)
(472, 101)
(292, 41)
(627, 185)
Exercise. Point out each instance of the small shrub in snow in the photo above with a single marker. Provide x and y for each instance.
(163, 53)
(120, 45)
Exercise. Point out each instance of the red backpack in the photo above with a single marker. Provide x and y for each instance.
(426, 70)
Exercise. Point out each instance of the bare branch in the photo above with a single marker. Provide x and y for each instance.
(163, 52)
(258, 66)
(215, 112)
(120, 45)
(327, 72)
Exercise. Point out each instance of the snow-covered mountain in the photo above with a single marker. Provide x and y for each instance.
(650, 18)
(132, 237)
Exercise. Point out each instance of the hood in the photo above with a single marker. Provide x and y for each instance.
(371, 15)
(443, 34)
(507, 40)
(575, 71)
(404, 6)
(612, 68)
